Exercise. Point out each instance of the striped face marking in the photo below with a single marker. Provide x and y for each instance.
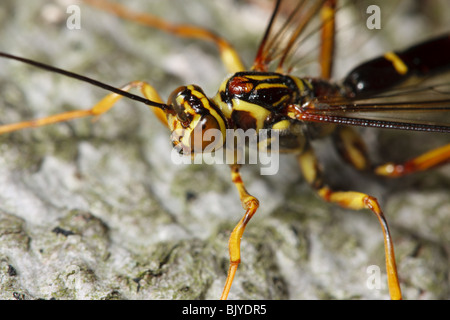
(196, 123)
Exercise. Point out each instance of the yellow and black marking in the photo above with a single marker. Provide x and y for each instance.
(394, 68)
(398, 64)
(265, 100)
(252, 99)
(194, 114)
(256, 100)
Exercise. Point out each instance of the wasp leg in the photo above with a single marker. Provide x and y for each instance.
(351, 147)
(101, 107)
(428, 160)
(327, 15)
(355, 201)
(250, 205)
(229, 56)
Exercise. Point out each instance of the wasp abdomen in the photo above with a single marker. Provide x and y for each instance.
(393, 68)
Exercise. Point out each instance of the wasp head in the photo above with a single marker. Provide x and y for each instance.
(196, 123)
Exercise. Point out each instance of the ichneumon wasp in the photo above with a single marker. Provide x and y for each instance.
(84, 149)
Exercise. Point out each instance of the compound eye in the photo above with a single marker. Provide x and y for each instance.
(206, 134)
(177, 101)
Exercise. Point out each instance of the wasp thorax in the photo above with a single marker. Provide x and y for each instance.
(196, 123)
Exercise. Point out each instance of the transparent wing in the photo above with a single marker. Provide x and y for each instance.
(296, 24)
(422, 108)
(286, 30)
